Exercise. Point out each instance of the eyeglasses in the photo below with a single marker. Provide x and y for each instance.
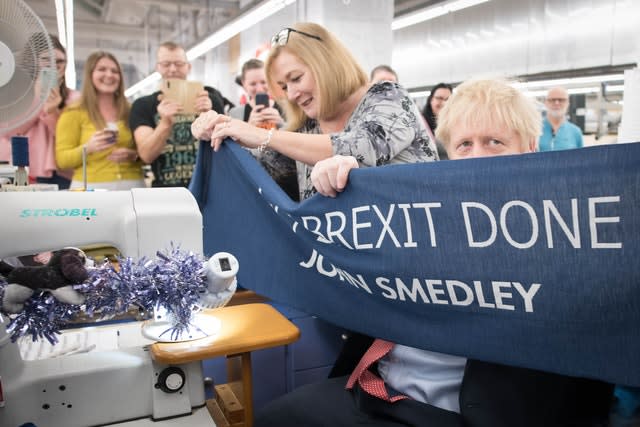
(59, 61)
(282, 37)
(558, 100)
(167, 64)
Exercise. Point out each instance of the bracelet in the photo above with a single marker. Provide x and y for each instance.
(264, 145)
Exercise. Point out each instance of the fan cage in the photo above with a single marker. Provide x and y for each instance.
(27, 40)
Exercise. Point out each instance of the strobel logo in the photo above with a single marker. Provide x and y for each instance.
(26, 213)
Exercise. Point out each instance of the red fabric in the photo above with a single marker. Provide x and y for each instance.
(367, 380)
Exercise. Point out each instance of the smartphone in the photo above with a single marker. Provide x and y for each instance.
(183, 92)
(262, 99)
(112, 128)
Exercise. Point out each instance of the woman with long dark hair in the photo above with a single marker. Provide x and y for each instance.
(439, 95)
(41, 130)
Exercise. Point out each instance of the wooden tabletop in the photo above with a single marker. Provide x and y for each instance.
(244, 328)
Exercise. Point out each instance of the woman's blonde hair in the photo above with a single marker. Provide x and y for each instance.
(336, 72)
(89, 96)
(476, 102)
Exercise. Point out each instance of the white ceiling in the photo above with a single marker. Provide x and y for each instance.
(132, 29)
(129, 28)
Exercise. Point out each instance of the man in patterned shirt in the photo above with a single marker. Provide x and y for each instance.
(161, 131)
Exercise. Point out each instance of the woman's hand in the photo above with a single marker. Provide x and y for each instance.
(99, 141)
(330, 176)
(123, 155)
(261, 115)
(53, 100)
(216, 127)
(202, 127)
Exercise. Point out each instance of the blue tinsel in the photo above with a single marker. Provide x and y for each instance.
(174, 281)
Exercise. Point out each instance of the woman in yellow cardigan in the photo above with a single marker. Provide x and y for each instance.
(97, 123)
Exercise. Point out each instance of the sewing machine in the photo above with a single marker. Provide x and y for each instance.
(106, 387)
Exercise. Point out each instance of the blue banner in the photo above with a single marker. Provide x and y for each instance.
(528, 260)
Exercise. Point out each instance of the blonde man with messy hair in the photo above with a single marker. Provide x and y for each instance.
(420, 387)
(332, 110)
(476, 103)
(336, 72)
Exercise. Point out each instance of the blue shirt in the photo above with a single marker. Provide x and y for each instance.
(425, 376)
(568, 136)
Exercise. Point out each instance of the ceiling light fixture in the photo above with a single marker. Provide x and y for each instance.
(70, 73)
(433, 12)
(247, 20)
(62, 29)
(569, 81)
(64, 20)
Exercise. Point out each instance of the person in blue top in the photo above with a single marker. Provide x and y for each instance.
(557, 132)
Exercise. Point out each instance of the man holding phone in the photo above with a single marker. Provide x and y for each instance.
(162, 127)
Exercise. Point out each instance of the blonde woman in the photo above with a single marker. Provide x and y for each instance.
(97, 124)
(330, 109)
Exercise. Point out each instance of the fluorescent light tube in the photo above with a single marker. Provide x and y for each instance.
(433, 12)
(62, 30)
(247, 20)
(569, 81)
(70, 73)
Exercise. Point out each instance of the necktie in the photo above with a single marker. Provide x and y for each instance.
(368, 381)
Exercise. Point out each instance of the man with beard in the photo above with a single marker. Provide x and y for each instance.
(557, 132)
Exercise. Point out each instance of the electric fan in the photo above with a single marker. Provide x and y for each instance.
(27, 64)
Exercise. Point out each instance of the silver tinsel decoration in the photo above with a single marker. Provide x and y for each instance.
(174, 281)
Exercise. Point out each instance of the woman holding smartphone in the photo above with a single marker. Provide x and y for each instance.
(260, 111)
(330, 109)
(96, 127)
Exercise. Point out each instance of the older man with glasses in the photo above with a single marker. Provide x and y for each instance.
(557, 132)
(162, 131)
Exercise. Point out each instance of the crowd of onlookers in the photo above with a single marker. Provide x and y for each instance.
(311, 115)
(96, 135)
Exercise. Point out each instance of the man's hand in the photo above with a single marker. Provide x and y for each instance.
(330, 176)
(203, 102)
(167, 110)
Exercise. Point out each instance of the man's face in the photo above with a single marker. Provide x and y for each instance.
(487, 140)
(557, 103)
(172, 64)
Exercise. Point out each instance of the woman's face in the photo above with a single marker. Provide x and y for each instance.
(254, 82)
(106, 76)
(438, 100)
(296, 80)
(60, 65)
